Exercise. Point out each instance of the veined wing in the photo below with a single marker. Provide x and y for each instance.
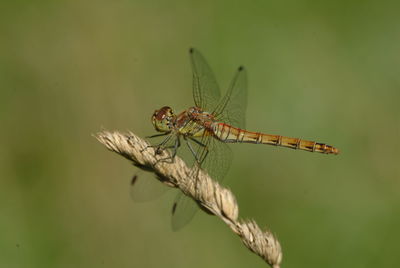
(183, 211)
(216, 162)
(206, 92)
(213, 156)
(145, 187)
(232, 107)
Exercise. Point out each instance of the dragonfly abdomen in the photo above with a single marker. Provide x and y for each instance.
(227, 133)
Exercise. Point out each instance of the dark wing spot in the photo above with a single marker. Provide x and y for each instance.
(134, 179)
(174, 208)
(241, 68)
(191, 50)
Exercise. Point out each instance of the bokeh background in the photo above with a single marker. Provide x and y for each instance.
(319, 70)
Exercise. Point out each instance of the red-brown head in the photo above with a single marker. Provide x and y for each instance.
(163, 119)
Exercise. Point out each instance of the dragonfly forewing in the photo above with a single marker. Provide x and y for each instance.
(206, 92)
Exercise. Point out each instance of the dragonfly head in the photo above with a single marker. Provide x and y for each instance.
(163, 119)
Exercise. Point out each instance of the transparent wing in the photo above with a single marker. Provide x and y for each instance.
(215, 158)
(206, 91)
(232, 107)
(145, 187)
(183, 211)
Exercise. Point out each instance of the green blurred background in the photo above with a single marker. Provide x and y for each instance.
(319, 70)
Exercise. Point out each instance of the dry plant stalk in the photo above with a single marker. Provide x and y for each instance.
(207, 193)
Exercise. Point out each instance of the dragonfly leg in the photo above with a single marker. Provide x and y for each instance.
(150, 146)
(198, 142)
(202, 160)
(174, 148)
(159, 147)
(149, 137)
(198, 160)
(192, 150)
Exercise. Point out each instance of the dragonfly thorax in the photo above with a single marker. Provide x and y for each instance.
(163, 119)
(197, 114)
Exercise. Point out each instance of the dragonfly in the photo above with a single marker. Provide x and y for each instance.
(208, 126)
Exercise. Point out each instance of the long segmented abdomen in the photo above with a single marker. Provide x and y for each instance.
(227, 133)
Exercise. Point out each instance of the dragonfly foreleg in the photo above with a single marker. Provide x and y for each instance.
(153, 136)
(174, 148)
(159, 147)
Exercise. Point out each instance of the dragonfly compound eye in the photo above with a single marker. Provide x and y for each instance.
(162, 119)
